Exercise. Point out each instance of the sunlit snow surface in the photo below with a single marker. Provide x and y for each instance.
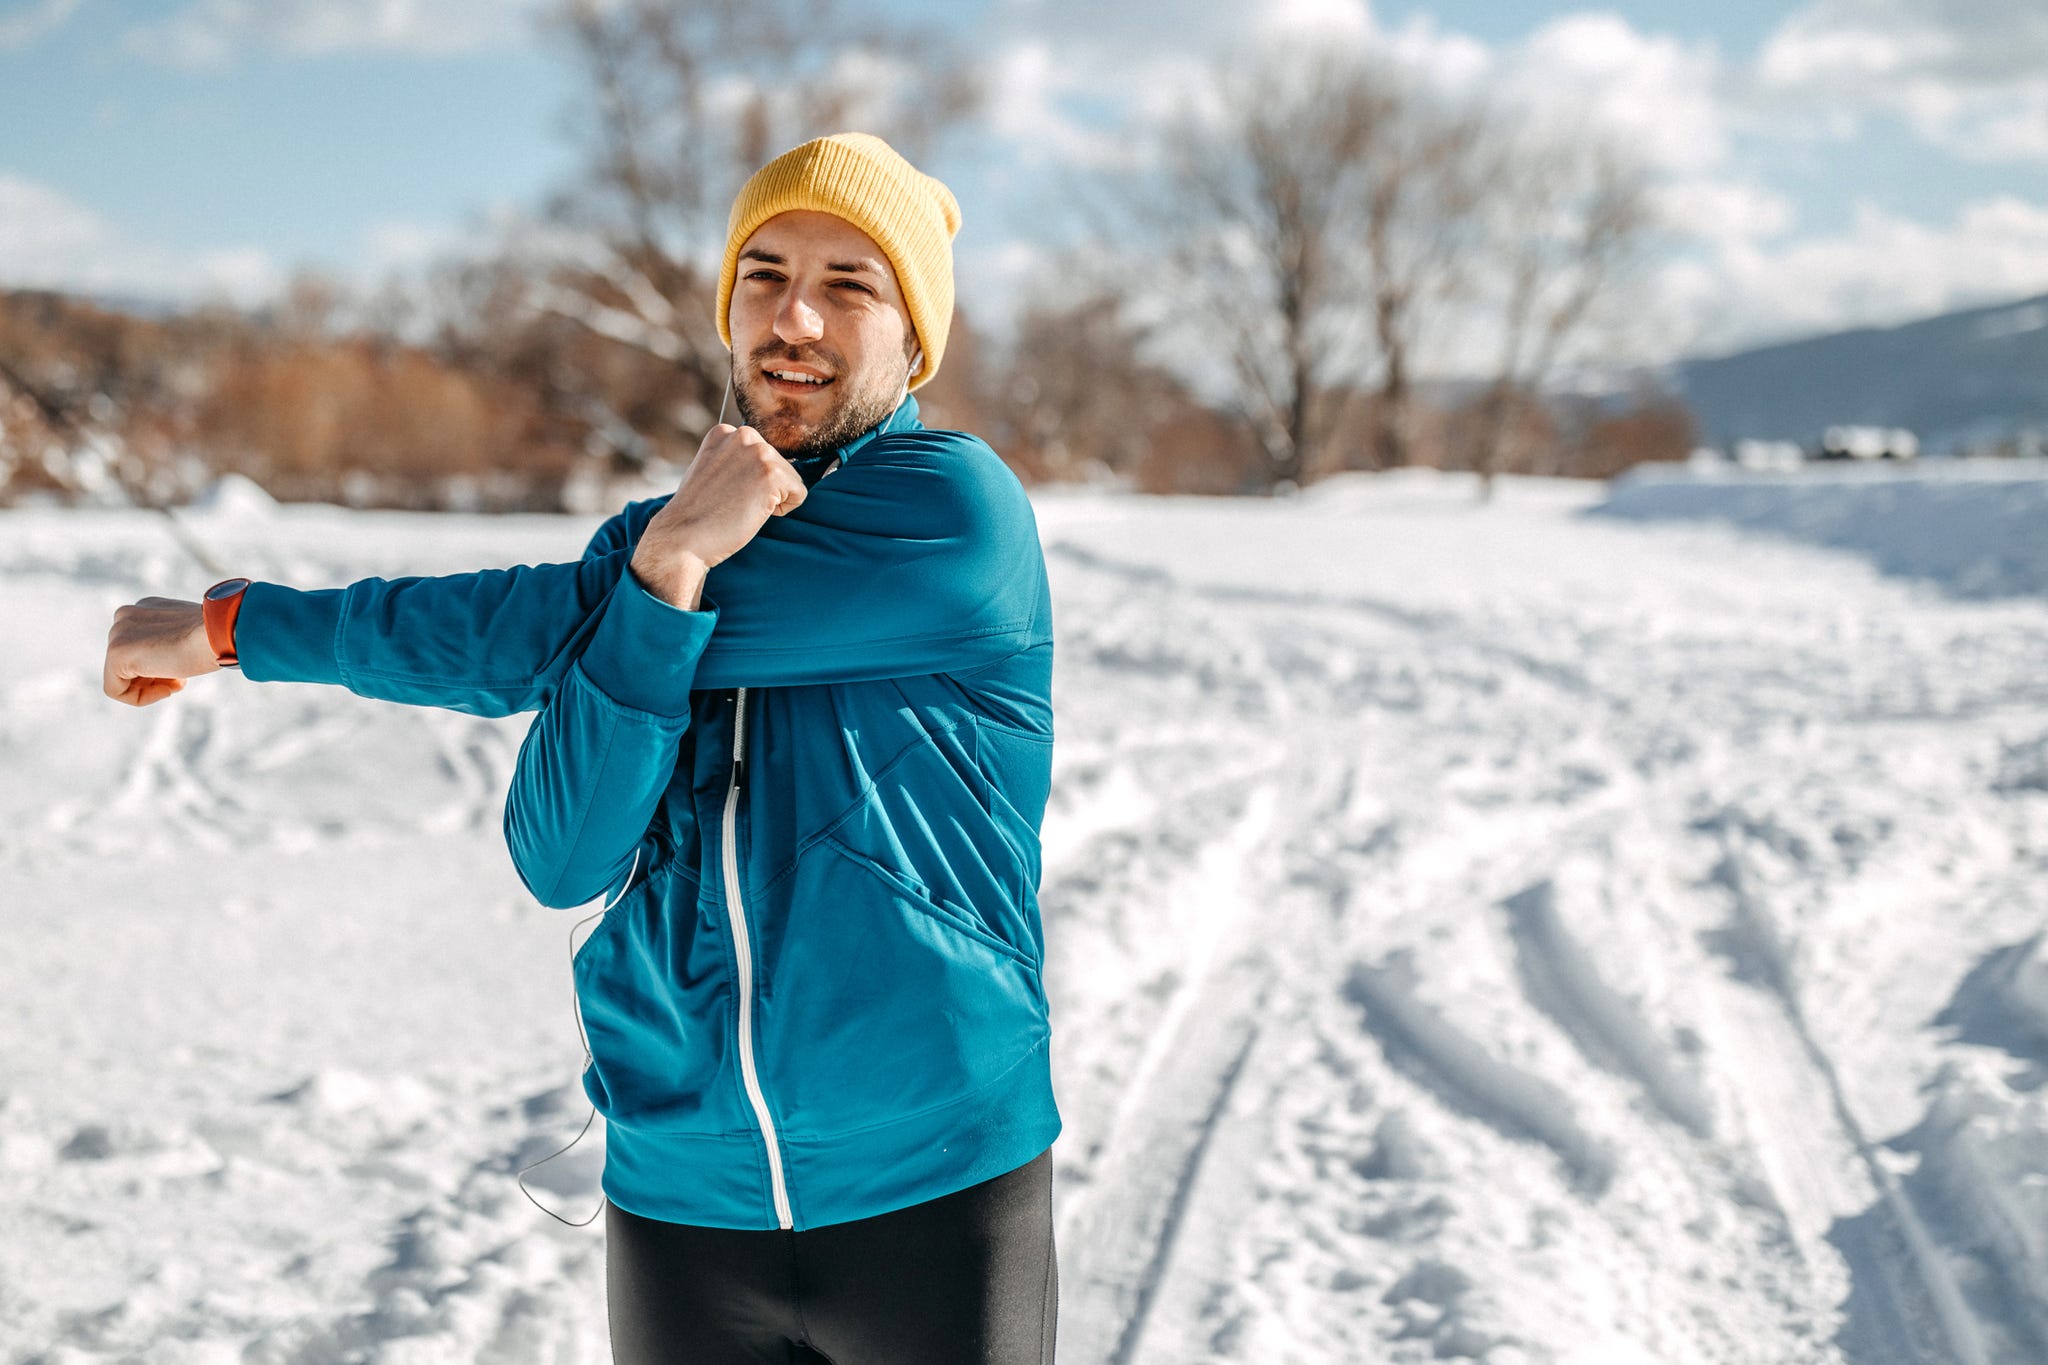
(1488, 933)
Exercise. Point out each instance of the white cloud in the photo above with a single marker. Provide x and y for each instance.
(39, 224)
(1726, 213)
(1661, 99)
(1450, 61)
(1047, 104)
(1969, 42)
(1970, 76)
(1126, 31)
(211, 33)
(402, 246)
(50, 241)
(19, 30)
(1074, 76)
(1025, 86)
(1334, 20)
(1882, 269)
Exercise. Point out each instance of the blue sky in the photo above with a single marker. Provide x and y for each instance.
(1834, 161)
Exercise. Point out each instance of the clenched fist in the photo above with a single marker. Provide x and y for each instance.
(736, 482)
(154, 645)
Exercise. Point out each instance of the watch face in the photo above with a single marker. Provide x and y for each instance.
(226, 588)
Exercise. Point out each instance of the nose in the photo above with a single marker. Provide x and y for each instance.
(796, 321)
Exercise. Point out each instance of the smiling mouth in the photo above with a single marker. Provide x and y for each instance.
(794, 381)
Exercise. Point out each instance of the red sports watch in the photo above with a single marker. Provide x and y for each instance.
(221, 605)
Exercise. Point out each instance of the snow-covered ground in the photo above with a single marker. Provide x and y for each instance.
(1476, 933)
(1977, 527)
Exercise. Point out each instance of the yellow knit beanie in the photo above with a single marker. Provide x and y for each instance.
(859, 177)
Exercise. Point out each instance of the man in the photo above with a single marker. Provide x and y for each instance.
(795, 723)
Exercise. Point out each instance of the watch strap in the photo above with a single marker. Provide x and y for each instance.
(220, 610)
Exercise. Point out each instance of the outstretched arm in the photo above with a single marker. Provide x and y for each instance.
(490, 643)
(920, 557)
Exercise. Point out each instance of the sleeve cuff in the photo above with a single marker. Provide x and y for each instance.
(644, 652)
(285, 635)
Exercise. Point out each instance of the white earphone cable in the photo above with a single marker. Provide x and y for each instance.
(577, 1007)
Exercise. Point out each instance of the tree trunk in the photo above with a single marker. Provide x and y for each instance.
(1390, 415)
(1493, 424)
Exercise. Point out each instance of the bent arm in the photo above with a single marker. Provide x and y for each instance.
(595, 763)
(921, 559)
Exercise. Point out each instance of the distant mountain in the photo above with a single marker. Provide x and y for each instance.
(1955, 380)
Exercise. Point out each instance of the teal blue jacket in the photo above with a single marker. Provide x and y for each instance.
(816, 800)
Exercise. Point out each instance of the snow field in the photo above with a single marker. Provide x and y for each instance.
(1488, 934)
(1979, 527)
(1711, 785)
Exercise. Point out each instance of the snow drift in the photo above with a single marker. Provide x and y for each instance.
(1978, 528)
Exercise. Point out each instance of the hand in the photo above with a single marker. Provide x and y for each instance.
(735, 483)
(154, 645)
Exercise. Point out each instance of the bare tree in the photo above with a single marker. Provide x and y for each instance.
(1331, 218)
(1254, 216)
(1570, 216)
(1317, 224)
(1427, 181)
(1079, 395)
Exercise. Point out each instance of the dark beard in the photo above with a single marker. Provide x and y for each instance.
(852, 418)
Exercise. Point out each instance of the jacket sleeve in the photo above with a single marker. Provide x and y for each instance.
(489, 643)
(594, 764)
(920, 557)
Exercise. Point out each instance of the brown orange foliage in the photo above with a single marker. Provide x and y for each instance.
(1657, 429)
(512, 405)
(333, 419)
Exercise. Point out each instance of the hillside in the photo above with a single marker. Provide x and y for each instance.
(1958, 379)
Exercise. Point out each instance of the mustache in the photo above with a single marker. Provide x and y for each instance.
(816, 356)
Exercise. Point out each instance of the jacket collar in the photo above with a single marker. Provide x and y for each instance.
(903, 419)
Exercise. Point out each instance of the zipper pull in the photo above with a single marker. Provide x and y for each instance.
(739, 739)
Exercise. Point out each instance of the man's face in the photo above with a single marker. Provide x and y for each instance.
(821, 338)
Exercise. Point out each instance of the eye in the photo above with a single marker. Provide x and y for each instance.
(760, 273)
(854, 285)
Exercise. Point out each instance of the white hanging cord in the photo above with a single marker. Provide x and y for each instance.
(577, 1008)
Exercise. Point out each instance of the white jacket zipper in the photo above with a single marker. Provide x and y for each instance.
(736, 912)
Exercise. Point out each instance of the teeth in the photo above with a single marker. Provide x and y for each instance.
(794, 377)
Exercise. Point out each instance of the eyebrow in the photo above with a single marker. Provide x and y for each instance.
(754, 253)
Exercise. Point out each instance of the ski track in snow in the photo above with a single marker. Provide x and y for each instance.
(1473, 934)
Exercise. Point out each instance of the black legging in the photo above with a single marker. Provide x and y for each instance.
(967, 1277)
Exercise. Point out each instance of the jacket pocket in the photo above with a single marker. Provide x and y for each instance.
(923, 898)
(653, 987)
(880, 1001)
